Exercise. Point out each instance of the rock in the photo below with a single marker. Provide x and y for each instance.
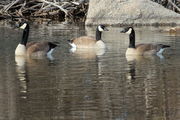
(173, 30)
(129, 12)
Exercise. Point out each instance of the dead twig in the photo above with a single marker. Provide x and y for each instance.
(7, 7)
(54, 4)
(53, 9)
(174, 5)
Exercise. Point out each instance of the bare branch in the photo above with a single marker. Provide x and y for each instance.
(6, 8)
(174, 5)
(54, 4)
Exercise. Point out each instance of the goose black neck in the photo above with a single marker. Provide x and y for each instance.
(25, 36)
(132, 39)
(98, 34)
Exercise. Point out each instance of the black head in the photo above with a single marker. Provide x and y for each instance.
(70, 40)
(102, 28)
(127, 30)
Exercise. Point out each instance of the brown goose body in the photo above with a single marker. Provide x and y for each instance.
(38, 48)
(88, 41)
(84, 42)
(145, 49)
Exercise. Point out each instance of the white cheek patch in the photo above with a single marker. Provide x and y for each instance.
(100, 28)
(50, 52)
(23, 26)
(129, 31)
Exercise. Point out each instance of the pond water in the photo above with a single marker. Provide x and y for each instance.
(86, 86)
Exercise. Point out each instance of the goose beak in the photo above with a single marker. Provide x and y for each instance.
(105, 29)
(69, 41)
(16, 25)
(122, 31)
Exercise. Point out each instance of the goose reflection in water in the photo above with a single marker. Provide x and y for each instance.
(91, 54)
(88, 53)
(136, 61)
(142, 71)
(21, 70)
(22, 65)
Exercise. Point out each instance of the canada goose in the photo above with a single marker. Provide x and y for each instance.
(142, 49)
(89, 42)
(33, 48)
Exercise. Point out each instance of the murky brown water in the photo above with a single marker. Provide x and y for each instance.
(84, 86)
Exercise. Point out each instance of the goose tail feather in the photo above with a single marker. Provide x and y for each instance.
(165, 46)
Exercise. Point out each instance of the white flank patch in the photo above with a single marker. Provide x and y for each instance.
(73, 49)
(160, 56)
(23, 26)
(49, 55)
(100, 44)
(20, 50)
(160, 51)
(50, 52)
(73, 45)
(100, 28)
(129, 31)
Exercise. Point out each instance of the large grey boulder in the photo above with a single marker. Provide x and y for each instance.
(143, 12)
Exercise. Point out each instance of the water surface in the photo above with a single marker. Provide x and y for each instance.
(86, 86)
